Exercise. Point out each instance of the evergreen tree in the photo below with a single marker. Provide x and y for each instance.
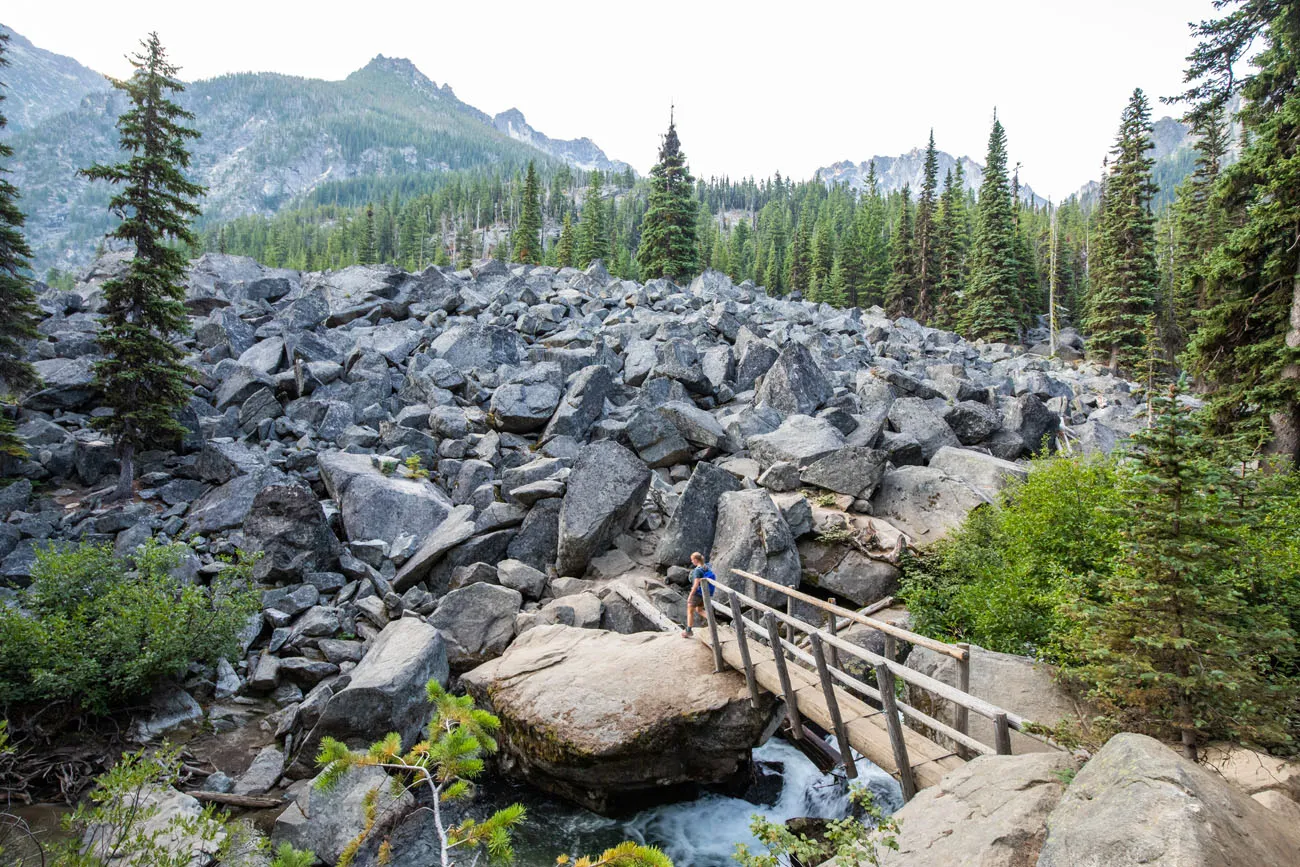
(901, 291)
(593, 232)
(464, 245)
(952, 238)
(836, 286)
(1172, 645)
(564, 248)
(772, 273)
(1247, 345)
(799, 262)
(18, 311)
(872, 239)
(142, 378)
(527, 238)
(926, 248)
(1125, 278)
(667, 247)
(368, 254)
(1199, 225)
(823, 248)
(988, 307)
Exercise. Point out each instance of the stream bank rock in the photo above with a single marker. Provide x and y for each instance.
(614, 721)
(1139, 802)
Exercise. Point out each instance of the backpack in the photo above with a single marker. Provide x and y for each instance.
(708, 573)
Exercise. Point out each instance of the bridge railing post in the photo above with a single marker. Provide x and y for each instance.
(833, 707)
(706, 596)
(885, 680)
(963, 684)
(833, 627)
(1002, 734)
(783, 673)
(742, 642)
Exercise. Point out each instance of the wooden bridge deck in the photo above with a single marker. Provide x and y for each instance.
(865, 725)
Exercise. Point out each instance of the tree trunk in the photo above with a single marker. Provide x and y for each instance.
(1286, 421)
(1186, 724)
(125, 481)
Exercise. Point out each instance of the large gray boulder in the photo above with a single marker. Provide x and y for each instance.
(692, 524)
(376, 506)
(990, 812)
(657, 440)
(846, 573)
(800, 440)
(582, 404)
(694, 424)
(604, 492)
(972, 421)
(325, 822)
(288, 524)
(386, 692)
(66, 383)
(911, 415)
(228, 506)
(752, 535)
(455, 529)
(524, 407)
(795, 384)
(477, 622)
(985, 473)
(1138, 802)
(478, 347)
(614, 721)
(1033, 421)
(924, 502)
(852, 470)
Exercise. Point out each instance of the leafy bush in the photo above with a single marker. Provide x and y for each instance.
(855, 839)
(1001, 579)
(98, 631)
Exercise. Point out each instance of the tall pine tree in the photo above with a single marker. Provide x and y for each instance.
(18, 311)
(564, 250)
(142, 377)
(1125, 279)
(988, 308)
(1172, 642)
(874, 242)
(952, 238)
(925, 247)
(593, 233)
(667, 247)
(901, 290)
(527, 238)
(1247, 346)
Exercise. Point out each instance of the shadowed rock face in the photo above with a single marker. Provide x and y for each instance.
(604, 720)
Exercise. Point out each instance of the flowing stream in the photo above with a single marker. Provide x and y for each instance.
(698, 833)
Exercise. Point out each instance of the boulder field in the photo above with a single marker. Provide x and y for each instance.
(462, 474)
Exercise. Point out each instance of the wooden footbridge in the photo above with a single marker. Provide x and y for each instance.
(864, 717)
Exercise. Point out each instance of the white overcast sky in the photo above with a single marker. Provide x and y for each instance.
(759, 86)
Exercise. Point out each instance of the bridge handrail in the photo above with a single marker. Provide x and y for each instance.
(939, 688)
(960, 654)
(853, 683)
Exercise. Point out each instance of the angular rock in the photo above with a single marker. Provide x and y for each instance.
(852, 470)
(795, 384)
(924, 502)
(582, 404)
(692, 524)
(800, 440)
(288, 524)
(972, 421)
(477, 623)
(326, 821)
(605, 490)
(375, 506)
(985, 473)
(752, 535)
(911, 415)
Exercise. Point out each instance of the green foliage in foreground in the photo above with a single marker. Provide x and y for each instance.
(118, 824)
(98, 631)
(856, 839)
(1166, 581)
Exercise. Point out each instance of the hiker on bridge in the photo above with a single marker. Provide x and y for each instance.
(700, 576)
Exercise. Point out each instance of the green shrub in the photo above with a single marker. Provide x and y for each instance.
(98, 631)
(1001, 578)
